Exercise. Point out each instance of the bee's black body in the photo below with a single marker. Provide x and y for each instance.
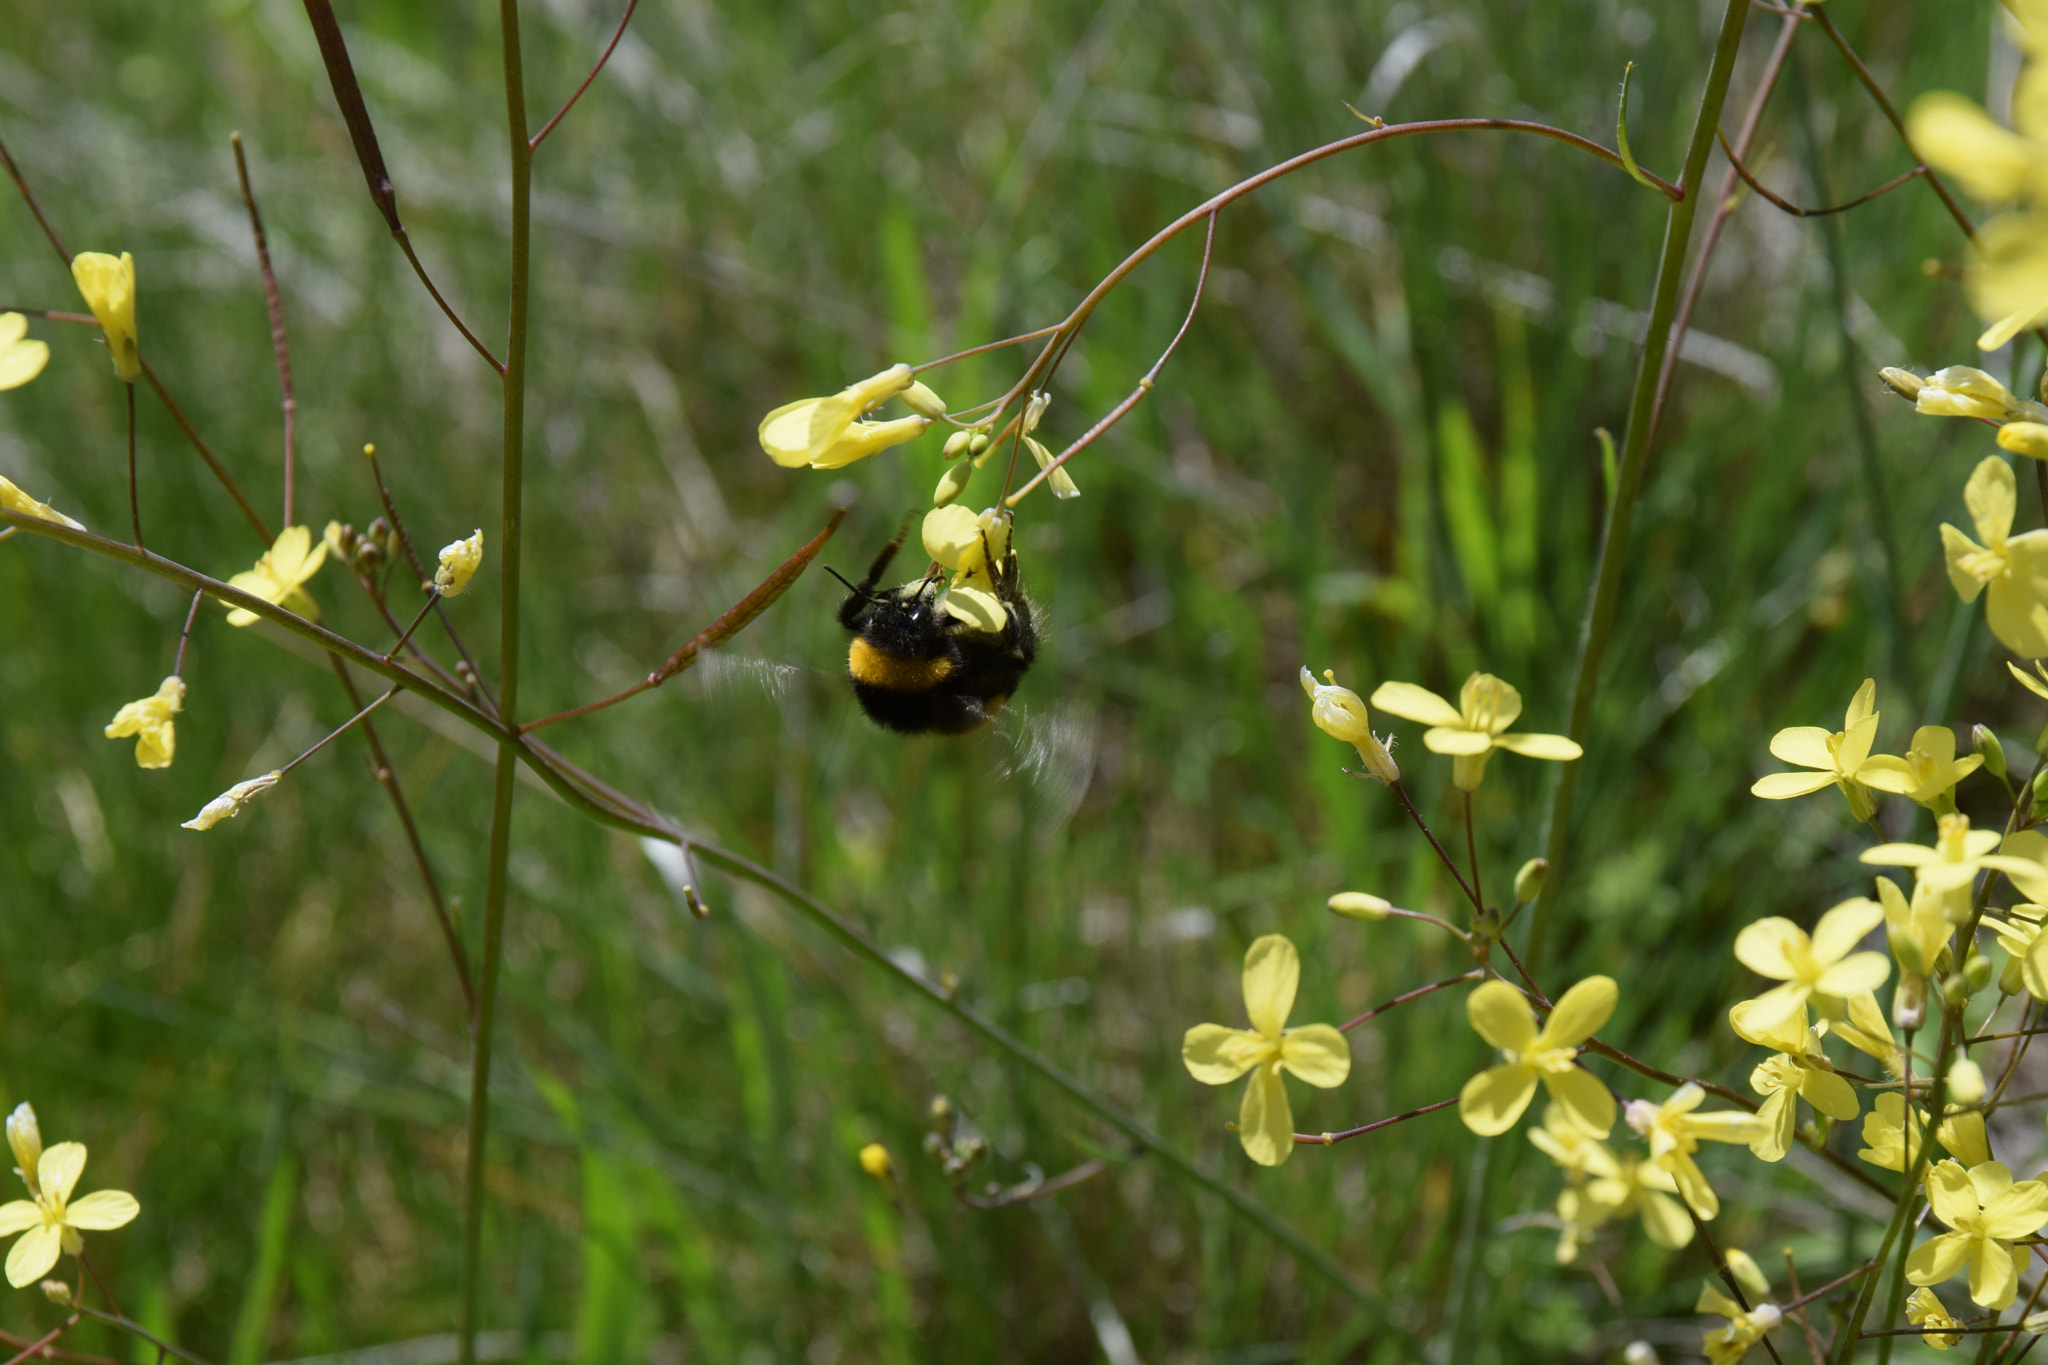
(917, 669)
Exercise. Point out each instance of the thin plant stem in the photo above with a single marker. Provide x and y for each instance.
(35, 1348)
(1814, 1350)
(1475, 974)
(340, 730)
(1721, 1268)
(982, 349)
(1326, 1139)
(1897, 1293)
(1448, 861)
(1604, 596)
(447, 310)
(185, 635)
(1472, 855)
(1784, 205)
(420, 575)
(273, 304)
(130, 1325)
(1030, 1190)
(198, 443)
(134, 497)
(432, 598)
(533, 143)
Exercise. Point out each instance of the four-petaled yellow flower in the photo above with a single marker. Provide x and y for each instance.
(1822, 968)
(21, 359)
(149, 720)
(1800, 1068)
(1948, 868)
(1746, 1327)
(1675, 1132)
(826, 433)
(1316, 1053)
(2011, 571)
(1492, 1101)
(281, 574)
(971, 546)
(1474, 728)
(459, 560)
(1340, 713)
(1839, 758)
(50, 1219)
(1927, 773)
(1985, 1212)
(108, 284)
(1925, 1311)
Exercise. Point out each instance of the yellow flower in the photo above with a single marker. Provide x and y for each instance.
(1884, 1134)
(1800, 1068)
(1474, 728)
(22, 505)
(1985, 1211)
(108, 284)
(1924, 1310)
(1822, 969)
(50, 1218)
(459, 560)
(825, 433)
(1838, 758)
(1927, 772)
(2011, 572)
(1961, 1134)
(1339, 713)
(229, 803)
(21, 359)
(971, 546)
(1866, 1030)
(1492, 1101)
(1948, 868)
(280, 575)
(1746, 1327)
(1961, 391)
(1627, 1184)
(150, 721)
(1675, 1132)
(1316, 1053)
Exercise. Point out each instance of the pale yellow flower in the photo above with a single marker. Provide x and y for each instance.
(1623, 1184)
(1800, 1068)
(149, 720)
(1949, 867)
(108, 284)
(1925, 1311)
(1927, 772)
(826, 433)
(459, 560)
(229, 803)
(1963, 391)
(280, 575)
(1675, 1132)
(1839, 758)
(22, 505)
(1492, 1101)
(1340, 713)
(2011, 571)
(1985, 1212)
(971, 547)
(21, 359)
(1746, 1327)
(1317, 1053)
(1474, 728)
(1822, 969)
(51, 1219)
(1884, 1133)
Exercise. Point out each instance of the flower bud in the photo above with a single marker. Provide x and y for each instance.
(1904, 383)
(1766, 1316)
(2038, 810)
(923, 401)
(2025, 438)
(1955, 990)
(1977, 971)
(57, 1292)
(1966, 1082)
(940, 1113)
(1964, 391)
(459, 561)
(1529, 881)
(25, 1136)
(978, 444)
(952, 483)
(1360, 906)
(1340, 713)
(1986, 744)
(874, 1159)
(1747, 1273)
(1034, 410)
(2012, 976)
(1909, 1002)
(956, 444)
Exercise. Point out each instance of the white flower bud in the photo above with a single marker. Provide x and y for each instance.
(1360, 906)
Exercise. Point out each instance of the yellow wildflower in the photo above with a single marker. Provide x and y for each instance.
(1492, 1101)
(1675, 1132)
(1985, 1212)
(2011, 571)
(1746, 1327)
(21, 359)
(149, 720)
(1949, 867)
(1800, 1068)
(50, 1219)
(459, 560)
(1917, 930)
(1627, 1184)
(971, 546)
(1928, 771)
(229, 803)
(108, 284)
(1316, 1053)
(1924, 1310)
(1838, 758)
(1339, 713)
(280, 575)
(22, 505)
(1884, 1133)
(1821, 969)
(826, 433)
(1961, 1134)
(1474, 728)
(1961, 391)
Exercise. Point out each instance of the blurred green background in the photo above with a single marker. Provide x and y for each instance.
(1374, 452)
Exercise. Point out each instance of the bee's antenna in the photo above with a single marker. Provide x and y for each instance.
(842, 578)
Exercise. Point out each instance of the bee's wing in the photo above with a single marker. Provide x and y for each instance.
(1053, 750)
(721, 676)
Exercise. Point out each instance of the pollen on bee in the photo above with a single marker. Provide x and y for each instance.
(874, 668)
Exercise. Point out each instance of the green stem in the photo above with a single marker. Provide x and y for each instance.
(1600, 604)
(513, 488)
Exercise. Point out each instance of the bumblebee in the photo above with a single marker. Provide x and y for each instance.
(917, 669)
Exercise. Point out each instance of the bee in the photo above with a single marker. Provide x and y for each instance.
(917, 669)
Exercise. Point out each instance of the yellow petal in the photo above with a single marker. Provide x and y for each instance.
(102, 1211)
(789, 433)
(1951, 1192)
(33, 1255)
(862, 439)
(1768, 947)
(108, 285)
(1961, 1135)
(1500, 1014)
(1580, 1013)
(1844, 926)
(977, 608)
(1556, 748)
(1418, 704)
(1854, 974)
(2019, 1212)
(1586, 1102)
(1780, 1117)
(21, 1213)
(21, 361)
(1318, 1054)
(1215, 1055)
(1664, 1220)
(1492, 1101)
(1830, 1094)
(1265, 1123)
(1992, 498)
(1936, 1260)
(1446, 739)
(1993, 1282)
(1783, 786)
(1272, 971)
(1964, 557)
(59, 1170)
(1805, 746)
(2009, 279)
(1958, 138)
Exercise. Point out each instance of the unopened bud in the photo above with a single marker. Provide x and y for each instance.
(2025, 438)
(1986, 744)
(1747, 1273)
(2036, 1323)
(695, 902)
(2012, 976)
(1360, 906)
(1955, 990)
(1977, 971)
(1904, 383)
(57, 1292)
(923, 401)
(956, 444)
(940, 1112)
(1640, 1353)
(979, 444)
(1529, 881)
(2039, 807)
(952, 483)
(1035, 410)
(874, 1159)
(1909, 1002)
(1966, 1082)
